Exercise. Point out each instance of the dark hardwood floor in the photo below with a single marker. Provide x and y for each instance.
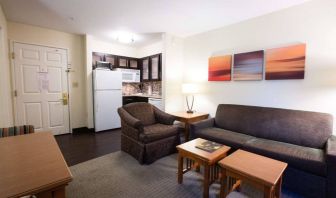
(85, 145)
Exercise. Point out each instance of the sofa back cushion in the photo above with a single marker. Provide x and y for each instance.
(303, 128)
(142, 111)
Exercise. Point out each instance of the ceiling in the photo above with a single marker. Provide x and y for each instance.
(146, 18)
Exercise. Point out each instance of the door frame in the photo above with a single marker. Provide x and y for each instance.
(12, 65)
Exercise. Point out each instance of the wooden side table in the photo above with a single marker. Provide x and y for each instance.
(189, 118)
(196, 157)
(262, 172)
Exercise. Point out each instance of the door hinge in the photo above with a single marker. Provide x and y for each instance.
(15, 93)
(13, 55)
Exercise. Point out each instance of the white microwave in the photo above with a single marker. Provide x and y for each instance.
(130, 75)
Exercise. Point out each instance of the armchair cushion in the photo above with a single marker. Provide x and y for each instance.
(163, 117)
(158, 131)
(142, 111)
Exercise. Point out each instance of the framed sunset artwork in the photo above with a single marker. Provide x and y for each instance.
(220, 68)
(248, 66)
(286, 62)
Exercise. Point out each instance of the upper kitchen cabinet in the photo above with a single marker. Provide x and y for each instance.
(155, 67)
(101, 60)
(122, 62)
(112, 59)
(151, 67)
(145, 69)
(133, 63)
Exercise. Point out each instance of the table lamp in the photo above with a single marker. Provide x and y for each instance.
(189, 89)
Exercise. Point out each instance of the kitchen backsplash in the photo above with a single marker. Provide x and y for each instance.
(134, 88)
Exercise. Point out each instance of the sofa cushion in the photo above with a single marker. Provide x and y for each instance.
(309, 159)
(142, 111)
(284, 125)
(158, 131)
(229, 138)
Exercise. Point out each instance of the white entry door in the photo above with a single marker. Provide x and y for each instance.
(41, 87)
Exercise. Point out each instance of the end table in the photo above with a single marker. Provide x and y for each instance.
(189, 118)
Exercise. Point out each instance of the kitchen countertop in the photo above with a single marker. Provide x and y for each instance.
(145, 96)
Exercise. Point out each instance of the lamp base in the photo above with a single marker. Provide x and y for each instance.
(190, 111)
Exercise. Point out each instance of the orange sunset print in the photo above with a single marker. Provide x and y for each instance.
(220, 68)
(286, 62)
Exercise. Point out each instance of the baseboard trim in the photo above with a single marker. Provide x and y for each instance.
(89, 130)
(82, 130)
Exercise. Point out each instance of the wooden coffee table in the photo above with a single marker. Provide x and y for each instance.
(189, 118)
(196, 157)
(262, 172)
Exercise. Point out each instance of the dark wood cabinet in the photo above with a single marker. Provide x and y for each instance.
(133, 63)
(145, 69)
(112, 59)
(101, 60)
(122, 62)
(128, 62)
(151, 68)
(155, 67)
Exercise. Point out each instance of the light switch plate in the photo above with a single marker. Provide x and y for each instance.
(75, 84)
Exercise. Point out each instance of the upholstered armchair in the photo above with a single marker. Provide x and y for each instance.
(147, 133)
(16, 130)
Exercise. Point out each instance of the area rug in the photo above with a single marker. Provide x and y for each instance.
(118, 175)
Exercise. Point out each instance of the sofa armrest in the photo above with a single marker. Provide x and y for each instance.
(194, 127)
(163, 117)
(331, 166)
(129, 119)
(331, 147)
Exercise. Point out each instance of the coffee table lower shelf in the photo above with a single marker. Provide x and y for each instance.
(194, 158)
(210, 175)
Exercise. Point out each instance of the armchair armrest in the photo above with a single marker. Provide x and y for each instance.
(194, 127)
(129, 119)
(163, 117)
(331, 166)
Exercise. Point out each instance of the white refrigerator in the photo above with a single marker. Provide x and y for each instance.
(107, 93)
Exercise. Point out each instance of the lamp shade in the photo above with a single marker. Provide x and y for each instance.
(189, 88)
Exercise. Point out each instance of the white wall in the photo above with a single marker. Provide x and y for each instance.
(148, 50)
(75, 45)
(6, 106)
(312, 23)
(172, 63)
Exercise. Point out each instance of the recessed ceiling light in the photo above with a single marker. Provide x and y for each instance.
(125, 37)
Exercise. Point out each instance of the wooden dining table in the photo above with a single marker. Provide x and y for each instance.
(32, 164)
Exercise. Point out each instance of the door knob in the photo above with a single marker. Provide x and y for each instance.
(64, 98)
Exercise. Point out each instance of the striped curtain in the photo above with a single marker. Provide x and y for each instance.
(16, 130)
